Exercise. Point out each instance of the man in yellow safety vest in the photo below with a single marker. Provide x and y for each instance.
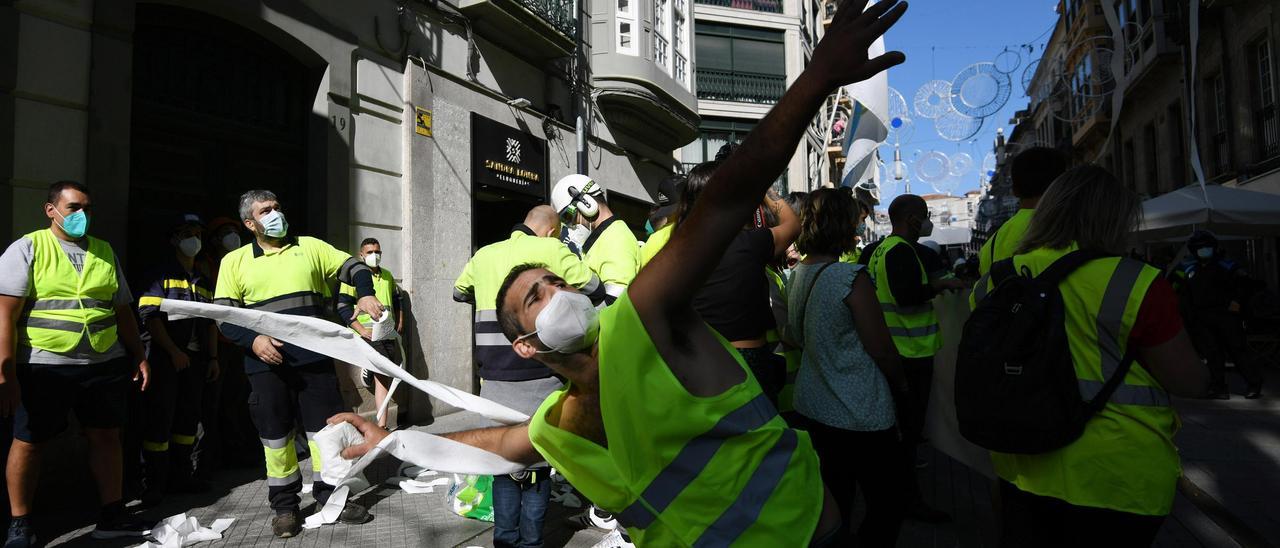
(68, 341)
(690, 452)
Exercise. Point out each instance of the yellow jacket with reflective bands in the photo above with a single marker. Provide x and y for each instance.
(682, 470)
(65, 305)
(1126, 459)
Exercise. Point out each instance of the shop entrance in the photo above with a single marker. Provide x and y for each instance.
(495, 211)
(217, 110)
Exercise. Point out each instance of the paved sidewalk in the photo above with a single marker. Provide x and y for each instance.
(1230, 449)
(400, 519)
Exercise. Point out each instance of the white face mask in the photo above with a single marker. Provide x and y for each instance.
(190, 246)
(231, 241)
(373, 260)
(568, 324)
(274, 225)
(926, 228)
(578, 234)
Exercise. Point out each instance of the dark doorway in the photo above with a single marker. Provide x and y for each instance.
(495, 211)
(217, 110)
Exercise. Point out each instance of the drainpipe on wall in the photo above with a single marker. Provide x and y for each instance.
(582, 93)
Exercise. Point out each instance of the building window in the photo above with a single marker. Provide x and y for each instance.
(1151, 156)
(680, 41)
(716, 133)
(1177, 159)
(661, 34)
(1266, 121)
(1130, 177)
(769, 6)
(1219, 144)
(741, 64)
(626, 23)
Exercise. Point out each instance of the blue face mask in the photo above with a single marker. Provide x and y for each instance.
(1205, 253)
(862, 228)
(75, 224)
(648, 228)
(274, 225)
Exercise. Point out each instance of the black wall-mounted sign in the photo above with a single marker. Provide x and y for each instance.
(507, 158)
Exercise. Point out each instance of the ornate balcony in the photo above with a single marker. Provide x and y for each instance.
(767, 6)
(741, 87)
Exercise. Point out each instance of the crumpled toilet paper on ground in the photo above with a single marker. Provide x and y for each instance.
(181, 530)
(338, 342)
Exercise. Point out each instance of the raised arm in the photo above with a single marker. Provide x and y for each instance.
(788, 228)
(665, 288)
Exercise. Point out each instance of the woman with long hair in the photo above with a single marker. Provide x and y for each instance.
(850, 371)
(1115, 484)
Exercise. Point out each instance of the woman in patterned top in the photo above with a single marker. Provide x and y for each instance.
(850, 372)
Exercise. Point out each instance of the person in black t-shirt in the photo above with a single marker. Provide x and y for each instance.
(735, 298)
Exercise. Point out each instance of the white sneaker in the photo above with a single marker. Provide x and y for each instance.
(592, 518)
(615, 539)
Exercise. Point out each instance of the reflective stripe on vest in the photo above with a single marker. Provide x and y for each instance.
(66, 305)
(1109, 320)
(289, 302)
(692, 459)
(1102, 301)
(914, 328)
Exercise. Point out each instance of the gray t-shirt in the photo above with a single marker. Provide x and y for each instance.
(16, 282)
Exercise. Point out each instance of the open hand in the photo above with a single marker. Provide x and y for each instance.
(841, 57)
(368, 305)
(373, 434)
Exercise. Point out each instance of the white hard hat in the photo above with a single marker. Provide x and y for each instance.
(575, 194)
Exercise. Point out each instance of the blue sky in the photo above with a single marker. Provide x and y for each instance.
(943, 37)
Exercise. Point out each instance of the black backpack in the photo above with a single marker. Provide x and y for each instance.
(1016, 389)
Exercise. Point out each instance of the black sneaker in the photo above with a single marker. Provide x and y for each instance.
(121, 528)
(366, 378)
(1254, 393)
(286, 525)
(354, 514)
(20, 535)
(1218, 393)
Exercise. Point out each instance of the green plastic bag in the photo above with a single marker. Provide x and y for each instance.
(471, 496)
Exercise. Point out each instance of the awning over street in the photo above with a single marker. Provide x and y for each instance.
(1231, 213)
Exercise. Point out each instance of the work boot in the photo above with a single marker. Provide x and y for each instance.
(286, 525)
(354, 514)
(1254, 392)
(20, 534)
(155, 478)
(182, 478)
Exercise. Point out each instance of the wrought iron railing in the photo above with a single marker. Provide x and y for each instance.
(743, 87)
(768, 6)
(558, 13)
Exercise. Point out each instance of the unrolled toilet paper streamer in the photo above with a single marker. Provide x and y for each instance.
(330, 339)
(340, 343)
